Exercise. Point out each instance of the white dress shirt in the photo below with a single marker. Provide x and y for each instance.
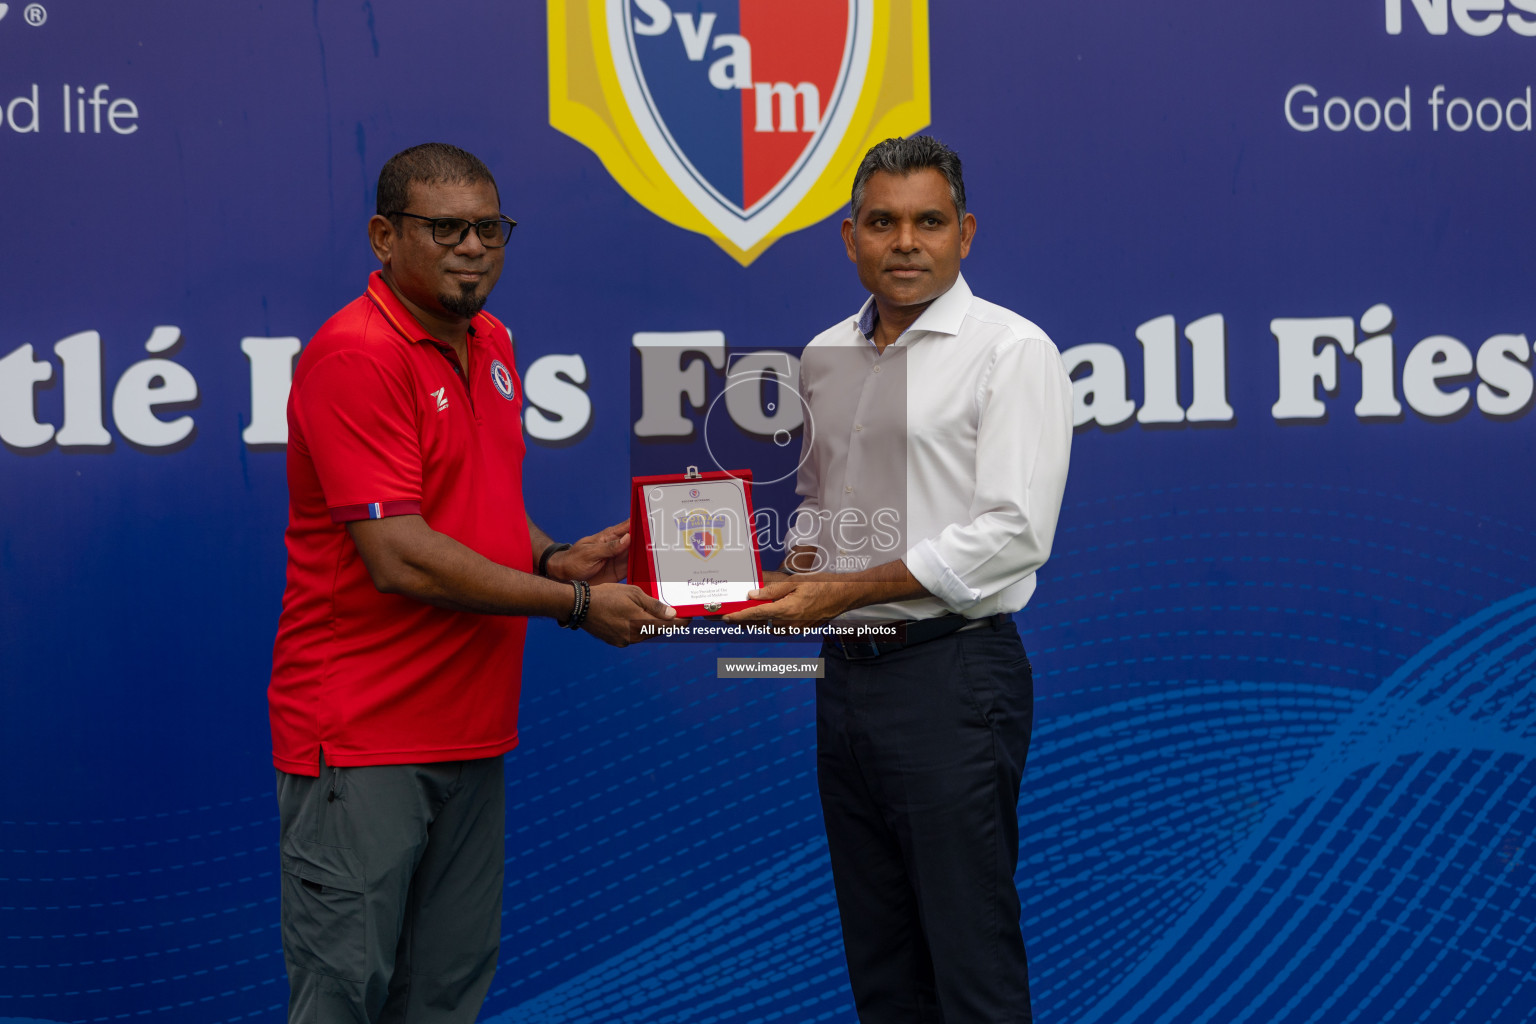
(948, 450)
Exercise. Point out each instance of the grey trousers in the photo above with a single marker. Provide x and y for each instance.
(391, 890)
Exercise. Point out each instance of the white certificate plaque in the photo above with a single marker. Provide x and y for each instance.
(702, 549)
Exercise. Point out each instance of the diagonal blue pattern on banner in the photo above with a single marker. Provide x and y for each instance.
(1087, 942)
(791, 900)
(1364, 958)
(1408, 717)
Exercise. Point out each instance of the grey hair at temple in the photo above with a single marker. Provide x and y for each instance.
(903, 157)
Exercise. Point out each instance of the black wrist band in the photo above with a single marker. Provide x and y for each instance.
(552, 550)
(580, 605)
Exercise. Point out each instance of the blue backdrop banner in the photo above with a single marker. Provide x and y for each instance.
(1284, 763)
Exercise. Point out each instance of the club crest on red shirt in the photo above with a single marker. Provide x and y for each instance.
(502, 378)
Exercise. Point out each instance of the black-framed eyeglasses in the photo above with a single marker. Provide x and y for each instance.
(492, 232)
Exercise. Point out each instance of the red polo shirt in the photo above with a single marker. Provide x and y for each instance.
(381, 423)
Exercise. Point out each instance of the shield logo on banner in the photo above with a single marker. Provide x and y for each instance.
(742, 120)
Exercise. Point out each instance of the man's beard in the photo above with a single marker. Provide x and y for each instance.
(466, 304)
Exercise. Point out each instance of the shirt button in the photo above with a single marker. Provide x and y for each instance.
(848, 489)
(858, 426)
(877, 369)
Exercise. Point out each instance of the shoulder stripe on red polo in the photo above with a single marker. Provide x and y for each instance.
(382, 303)
(374, 510)
(492, 323)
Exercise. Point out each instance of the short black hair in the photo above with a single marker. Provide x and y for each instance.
(904, 156)
(430, 162)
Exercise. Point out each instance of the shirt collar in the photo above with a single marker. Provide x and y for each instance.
(944, 316)
(400, 318)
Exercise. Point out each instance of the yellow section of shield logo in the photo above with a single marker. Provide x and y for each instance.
(742, 120)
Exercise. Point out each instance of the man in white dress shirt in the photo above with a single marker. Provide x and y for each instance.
(932, 482)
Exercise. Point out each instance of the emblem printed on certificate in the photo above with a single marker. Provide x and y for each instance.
(701, 541)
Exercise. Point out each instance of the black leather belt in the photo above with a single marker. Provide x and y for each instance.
(919, 631)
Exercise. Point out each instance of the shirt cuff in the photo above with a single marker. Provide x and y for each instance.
(929, 568)
(374, 510)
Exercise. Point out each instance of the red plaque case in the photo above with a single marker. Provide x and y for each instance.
(642, 561)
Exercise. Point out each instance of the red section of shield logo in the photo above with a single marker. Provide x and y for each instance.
(797, 52)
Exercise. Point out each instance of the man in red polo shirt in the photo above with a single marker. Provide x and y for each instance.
(412, 567)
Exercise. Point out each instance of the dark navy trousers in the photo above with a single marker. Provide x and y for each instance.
(919, 756)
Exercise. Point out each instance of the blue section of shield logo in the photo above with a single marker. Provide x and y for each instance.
(703, 120)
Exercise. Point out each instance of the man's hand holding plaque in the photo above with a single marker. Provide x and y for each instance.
(600, 558)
